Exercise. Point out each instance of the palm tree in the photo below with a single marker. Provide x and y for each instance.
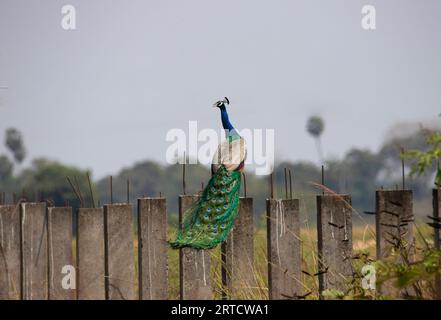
(315, 127)
(14, 142)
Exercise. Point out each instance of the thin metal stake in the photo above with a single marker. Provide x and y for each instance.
(290, 184)
(272, 185)
(128, 190)
(286, 183)
(90, 189)
(183, 176)
(111, 189)
(74, 190)
(79, 191)
(323, 179)
(402, 169)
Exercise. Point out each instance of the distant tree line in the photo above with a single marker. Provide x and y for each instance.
(360, 172)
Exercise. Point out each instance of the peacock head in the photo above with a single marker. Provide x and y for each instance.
(222, 103)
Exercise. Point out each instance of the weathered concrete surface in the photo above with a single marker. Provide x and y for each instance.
(394, 221)
(60, 252)
(195, 282)
(334, 231)
(90, 254)
(394, 214)
(10, 261)
(284, 257)
(121, 282)
(238, 256)
(436, 196)
(152, 248)
(34, 251)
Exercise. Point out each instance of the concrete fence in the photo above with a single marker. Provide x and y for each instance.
(42, 257)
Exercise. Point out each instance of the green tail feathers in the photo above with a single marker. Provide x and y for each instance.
(210, 220)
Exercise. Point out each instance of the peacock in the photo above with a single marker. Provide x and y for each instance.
(209, 221)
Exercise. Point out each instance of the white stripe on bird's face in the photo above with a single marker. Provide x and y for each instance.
(217, 104)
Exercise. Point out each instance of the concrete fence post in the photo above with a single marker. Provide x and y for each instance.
(436, 196)
(334, 232)
(152, 249)
(60, 240)
(394, 229)
(238, 256)
(121, 283)
(34, 251)
(194, 272)
(284, 257)
(90, 254)
(10, 259)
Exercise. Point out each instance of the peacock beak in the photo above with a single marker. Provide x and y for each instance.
(217, 104)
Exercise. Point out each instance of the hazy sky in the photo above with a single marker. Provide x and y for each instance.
(103, 96)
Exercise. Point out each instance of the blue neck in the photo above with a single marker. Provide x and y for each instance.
(225, 121)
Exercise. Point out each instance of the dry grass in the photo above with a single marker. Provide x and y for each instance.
(363, 242)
